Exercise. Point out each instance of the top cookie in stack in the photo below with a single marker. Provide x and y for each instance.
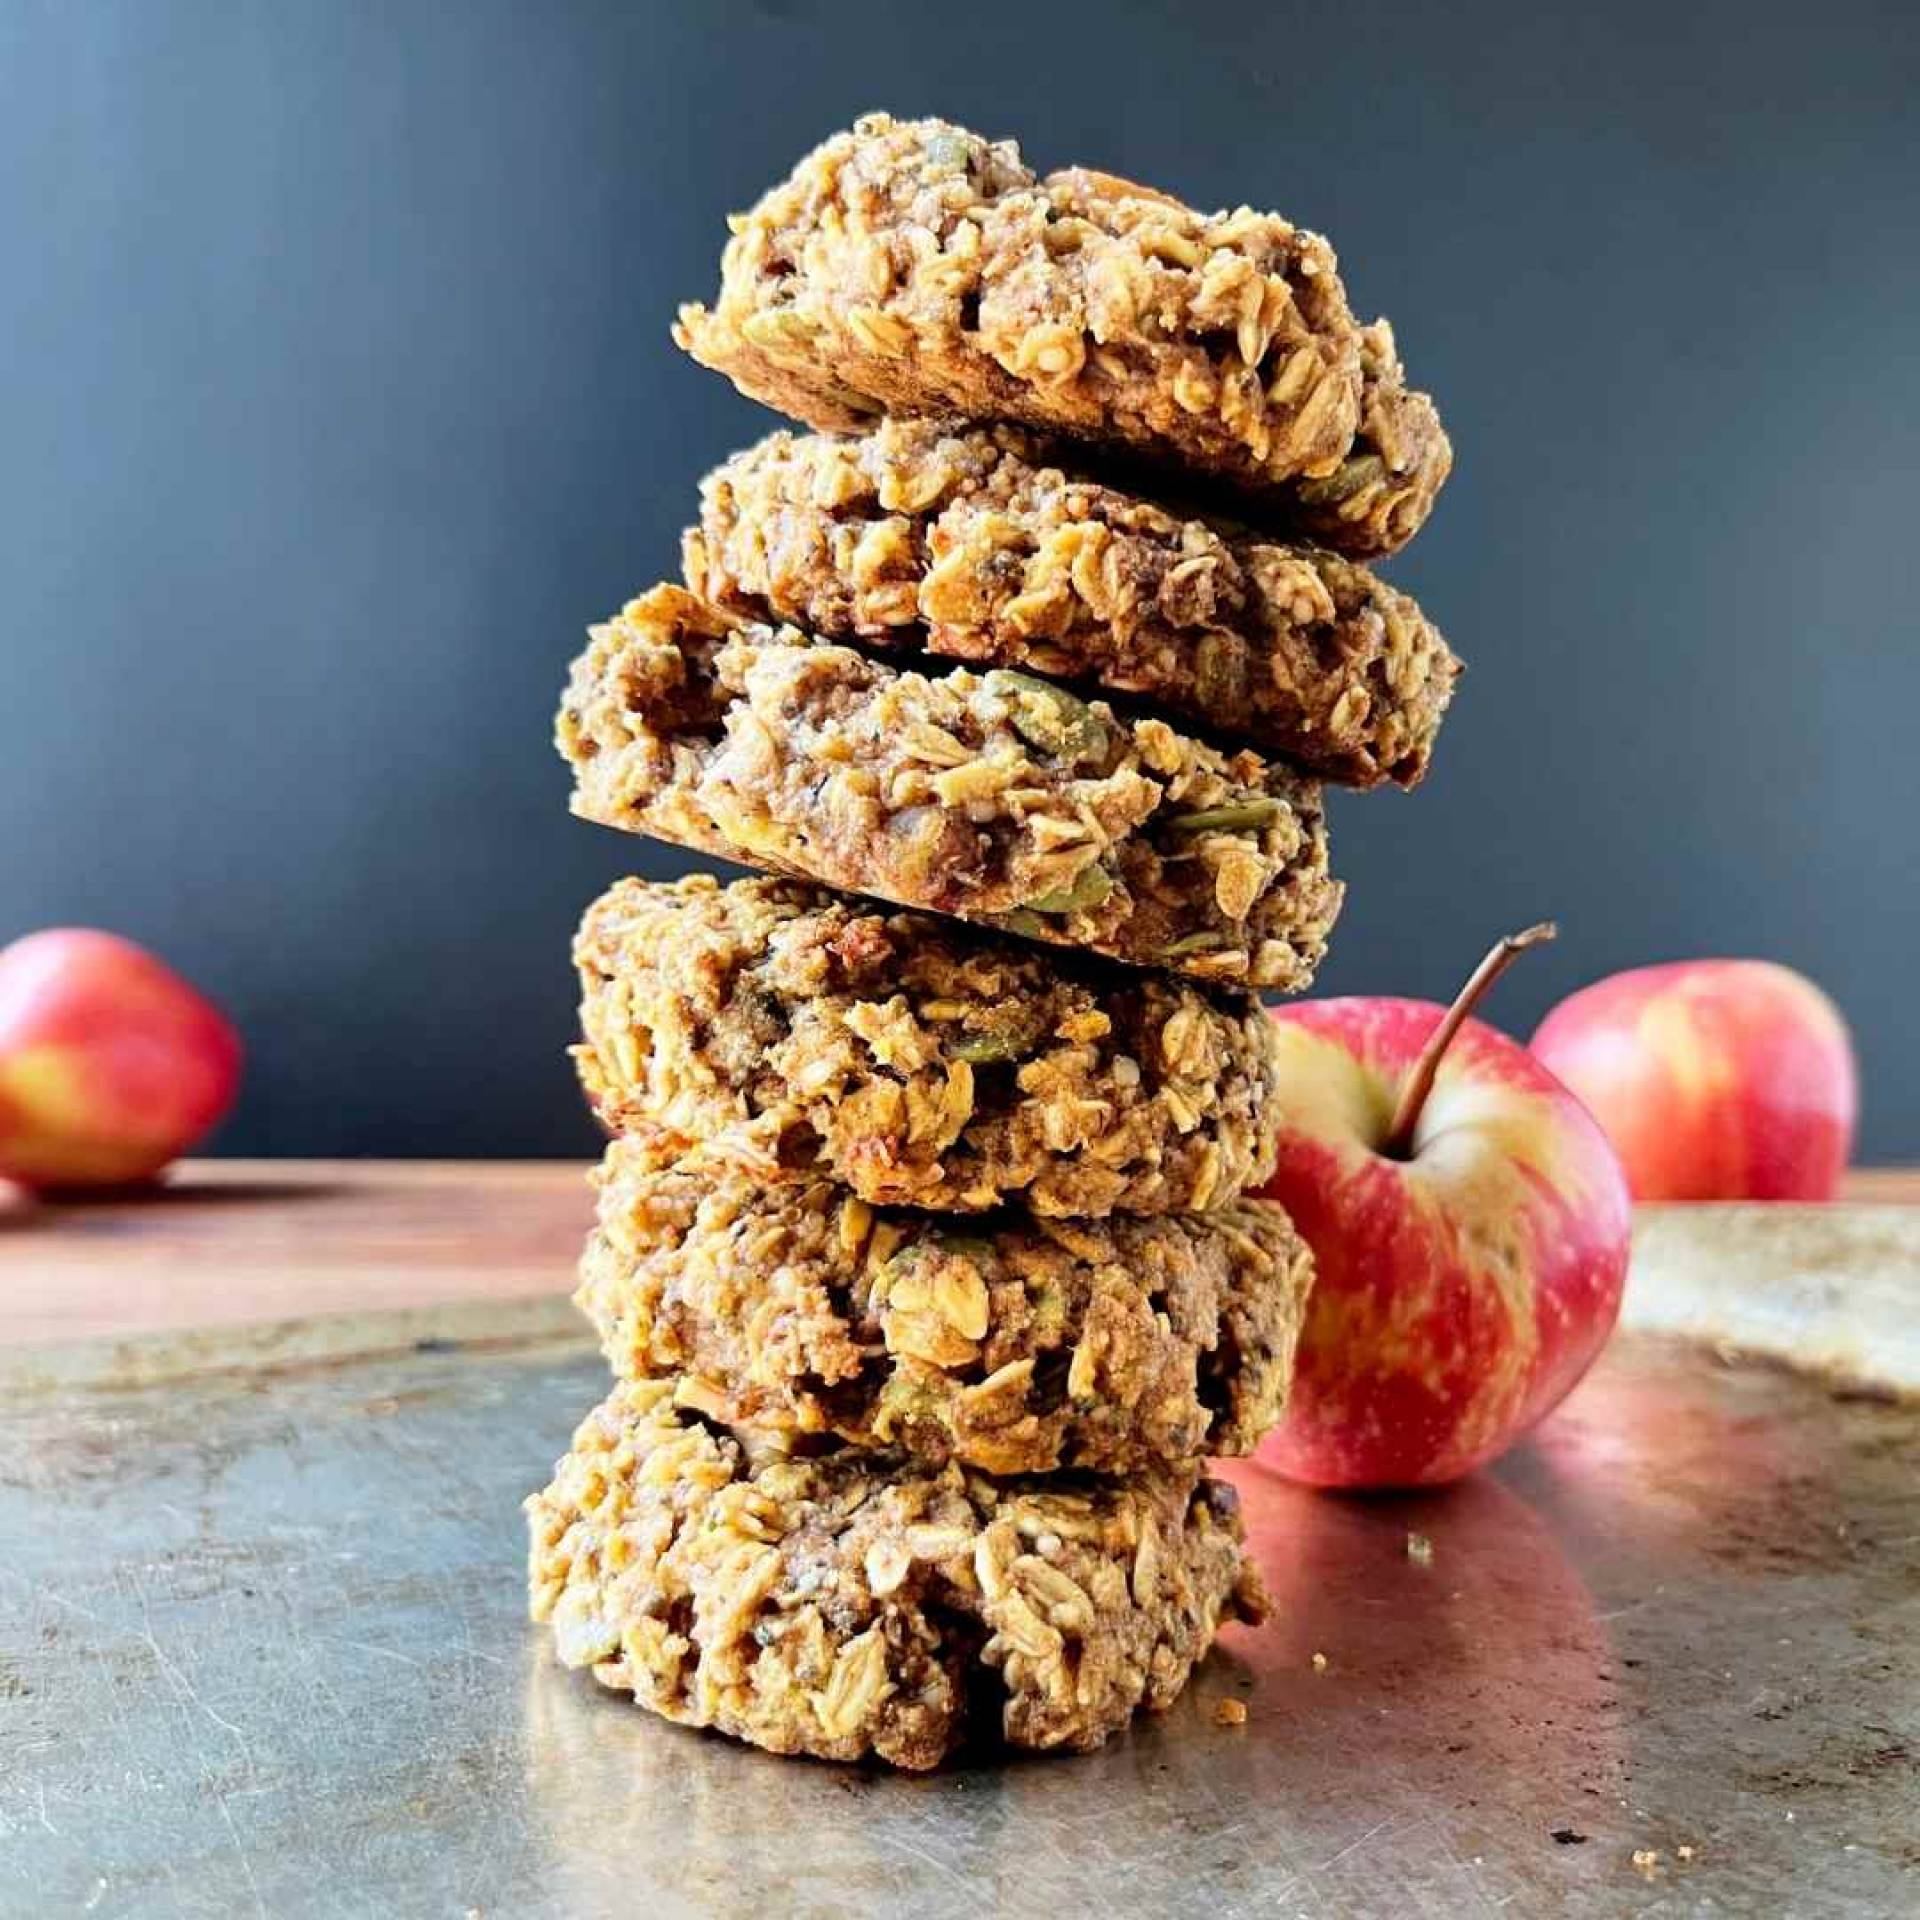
(913, 268)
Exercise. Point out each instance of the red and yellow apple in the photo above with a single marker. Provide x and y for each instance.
(111, 1065)
(1470, 1229)
(1714, 1079)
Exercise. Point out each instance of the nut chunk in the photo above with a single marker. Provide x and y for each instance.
(997, 797)
(1010, 1344)
(775, 1029)
(913, 268)
(971, 543)
(846, 1603)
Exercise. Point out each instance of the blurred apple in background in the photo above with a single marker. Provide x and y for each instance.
(1715, 1079)
(111, 1065)
(1470, 1229)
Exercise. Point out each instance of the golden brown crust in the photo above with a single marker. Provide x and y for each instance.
(850, 1603)
(775, 1029)
(911, 267)
(967, 541)
(997, 797)
(1010, 1344)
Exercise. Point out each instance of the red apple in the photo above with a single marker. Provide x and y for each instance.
(1470, 1229)
(1715, 1079)
(110, 1064)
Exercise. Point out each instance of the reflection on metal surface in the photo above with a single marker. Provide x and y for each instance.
(262, 1650)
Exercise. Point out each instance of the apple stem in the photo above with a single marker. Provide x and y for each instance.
(1398, 1144)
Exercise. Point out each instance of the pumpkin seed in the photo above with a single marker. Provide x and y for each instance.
(1048, 717)
(1193, 943)
(961, 1246)
(1013, 1031)
(1362, 470)
(1023, 920)
(1220, 672)
(1229, 819)
(1088, 888)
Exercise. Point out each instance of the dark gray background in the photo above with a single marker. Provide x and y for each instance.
(338, 398)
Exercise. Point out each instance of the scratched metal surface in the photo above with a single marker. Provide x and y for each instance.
(261, 1651)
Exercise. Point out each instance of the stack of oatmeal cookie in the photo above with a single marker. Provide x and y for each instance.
(922, 1258)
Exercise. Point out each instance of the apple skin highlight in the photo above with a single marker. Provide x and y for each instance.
(1714, 1079)
(1462, 1290)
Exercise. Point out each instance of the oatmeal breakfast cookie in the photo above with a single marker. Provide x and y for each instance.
(771, 1028)
(1010, 1344)
(998, 797)
(911, 267)
(848, 1603)
(966, 541)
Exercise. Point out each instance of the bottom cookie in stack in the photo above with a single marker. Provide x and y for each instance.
(846, 1602)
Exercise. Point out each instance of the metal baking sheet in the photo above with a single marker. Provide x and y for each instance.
(262, 1652)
